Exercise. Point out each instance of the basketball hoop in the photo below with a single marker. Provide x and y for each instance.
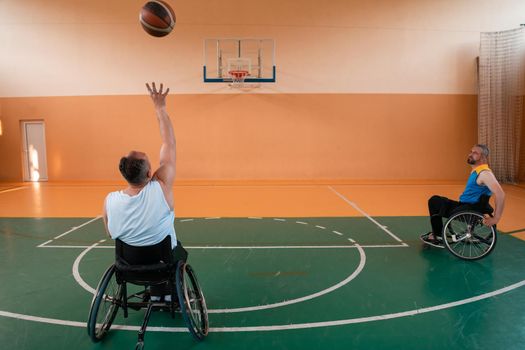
(238, 77)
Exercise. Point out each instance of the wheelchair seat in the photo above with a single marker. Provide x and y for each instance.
(482, 206)
(147, 266)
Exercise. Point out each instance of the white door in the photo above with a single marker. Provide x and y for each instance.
(34, 151)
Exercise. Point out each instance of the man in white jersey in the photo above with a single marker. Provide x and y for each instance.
(142, 214)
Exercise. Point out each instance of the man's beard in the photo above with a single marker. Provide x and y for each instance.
(471, 161)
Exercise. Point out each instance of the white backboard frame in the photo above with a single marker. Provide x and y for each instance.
(220, 52)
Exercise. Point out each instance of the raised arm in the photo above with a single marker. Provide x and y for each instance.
(165, 174)
(488, 179)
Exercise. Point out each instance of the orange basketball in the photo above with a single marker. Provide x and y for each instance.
(157, 18)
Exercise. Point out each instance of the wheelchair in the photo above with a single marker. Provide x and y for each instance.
(464, 234)
(147, 267)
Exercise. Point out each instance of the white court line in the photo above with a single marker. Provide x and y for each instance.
(371, 318)
(274, 247)
(13, 189)
(301, 246)
(404, 245)
(44, 245)
(47, 245)
(286, 326)
(43, 319)
(362, 262)
(382, 227)
(77, 227)
(78, 246)
(76, 274)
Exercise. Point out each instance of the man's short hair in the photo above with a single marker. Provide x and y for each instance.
(134, 170)
(484, 149)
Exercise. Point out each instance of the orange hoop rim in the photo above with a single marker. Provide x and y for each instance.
(238, 74)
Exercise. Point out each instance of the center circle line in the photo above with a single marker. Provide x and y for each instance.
(357, 271)
(332, 323)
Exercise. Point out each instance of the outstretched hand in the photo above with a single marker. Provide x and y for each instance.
(158, 97)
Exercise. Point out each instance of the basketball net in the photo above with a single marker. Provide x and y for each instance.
(238, 77)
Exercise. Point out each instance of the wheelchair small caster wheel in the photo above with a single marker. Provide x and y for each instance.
(140, 345)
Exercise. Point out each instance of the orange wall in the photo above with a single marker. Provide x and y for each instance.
(252, 136)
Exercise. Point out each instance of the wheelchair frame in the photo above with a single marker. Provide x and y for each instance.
(111, 294)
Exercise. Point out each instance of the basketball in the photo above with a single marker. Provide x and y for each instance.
(157, 18)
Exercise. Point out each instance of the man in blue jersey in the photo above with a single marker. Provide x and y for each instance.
(142, 214)
(481, 182)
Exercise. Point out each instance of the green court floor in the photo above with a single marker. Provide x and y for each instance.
(279, 283)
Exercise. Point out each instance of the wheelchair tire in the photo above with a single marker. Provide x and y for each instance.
(466, 237)
(192, 302)
(104, 306)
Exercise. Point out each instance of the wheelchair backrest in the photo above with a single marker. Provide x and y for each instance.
(483, 204)
(144, 265)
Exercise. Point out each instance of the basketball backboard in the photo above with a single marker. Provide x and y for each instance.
(225, 55)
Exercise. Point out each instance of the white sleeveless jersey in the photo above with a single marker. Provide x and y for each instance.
(141, 220)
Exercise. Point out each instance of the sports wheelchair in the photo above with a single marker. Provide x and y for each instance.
(149, 266)
(464, 234)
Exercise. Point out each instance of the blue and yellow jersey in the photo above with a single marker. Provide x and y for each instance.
(473, 191)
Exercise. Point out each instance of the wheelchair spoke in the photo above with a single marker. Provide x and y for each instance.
(481, 248)
(193, 300)
(483, 239)
(456, 244)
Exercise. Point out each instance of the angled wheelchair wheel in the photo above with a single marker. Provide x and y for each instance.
(191, 300)
(104, 306)
(466, 237)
